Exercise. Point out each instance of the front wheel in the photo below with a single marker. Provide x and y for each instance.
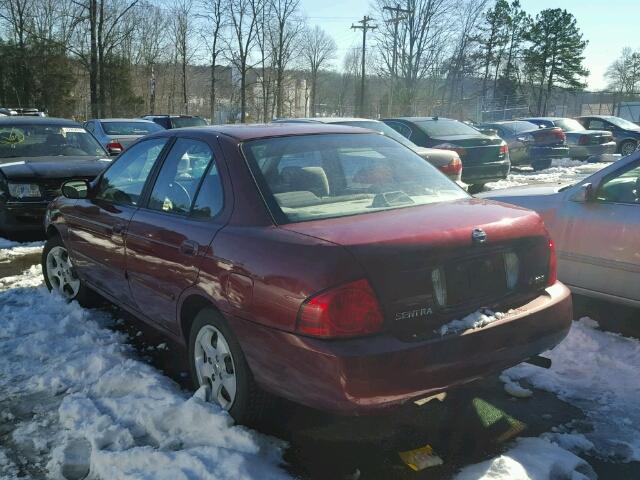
(60, 274)
(541, 164)
(628, 147)
(218, 364)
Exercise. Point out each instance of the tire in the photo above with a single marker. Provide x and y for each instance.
(541, 164)
(59, 274)
(628, 147)
(224, 360)
(475, 188)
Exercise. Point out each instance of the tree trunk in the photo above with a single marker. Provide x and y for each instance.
(243, 94)
(93, 62)
(212, 93)
(314, 85)
(101, 60)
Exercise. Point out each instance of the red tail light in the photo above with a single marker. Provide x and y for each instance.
(114, 147)
(504, 151)
(450, 146)
(559, 134)
(345, 311)
(552, 276)
(454, 167)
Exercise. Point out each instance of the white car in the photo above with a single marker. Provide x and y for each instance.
(595, 225)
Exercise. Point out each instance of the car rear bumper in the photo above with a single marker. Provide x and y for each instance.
(543, 153)
(362, 375)
(18, 217)
(485, 172)
(586, 151)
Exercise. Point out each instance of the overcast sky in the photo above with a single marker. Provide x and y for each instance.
(608, 25)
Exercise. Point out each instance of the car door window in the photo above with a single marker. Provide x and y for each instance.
(209, 200)
(124, 180)
(622, 187)
(401, 128)
(597, 125)
(180, 176)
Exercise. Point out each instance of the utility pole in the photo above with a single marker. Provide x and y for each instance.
(399, 14)
(364, 27)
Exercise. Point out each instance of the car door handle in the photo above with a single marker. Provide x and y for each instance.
(118, 229)
(189, 247)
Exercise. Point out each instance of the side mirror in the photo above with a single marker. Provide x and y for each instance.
(585, 193)
(75, 189)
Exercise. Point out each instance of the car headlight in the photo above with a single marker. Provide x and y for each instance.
(24, 190)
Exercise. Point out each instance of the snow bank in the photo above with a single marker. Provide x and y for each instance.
(530, 459)
(477, 319)
(598, 372)
(96, 407)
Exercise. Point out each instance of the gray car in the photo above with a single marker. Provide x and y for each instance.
(116, 134)
(595, 225)
(583, 144)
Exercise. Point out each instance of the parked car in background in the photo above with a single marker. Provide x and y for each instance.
(583, 144)
(447, 161)
(36, 156)
(484, 159)
(176, 121)
(596, 227)
(529, 144)
(625, 133)
(116, 134)
(372, 253)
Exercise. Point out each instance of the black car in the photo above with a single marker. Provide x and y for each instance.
(484, 158)
(529, 144)
(36, 156)
(176, 121)
(625, 133)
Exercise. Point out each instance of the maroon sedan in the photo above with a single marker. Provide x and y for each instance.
(320, 263)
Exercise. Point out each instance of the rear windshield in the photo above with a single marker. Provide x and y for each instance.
(568, 124)
(181, 122)
(130, 128)
(47, 140)
(520, 126)
(622, 123)
(382, 128)
(326, 176)
(444, 128)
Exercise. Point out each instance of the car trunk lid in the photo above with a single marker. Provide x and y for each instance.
(473, 150)
(400, 249)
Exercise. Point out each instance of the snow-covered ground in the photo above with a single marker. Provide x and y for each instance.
(562, 171)
(79, 400)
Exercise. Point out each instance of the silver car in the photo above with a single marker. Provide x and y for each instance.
(116, 134)
(595, 225)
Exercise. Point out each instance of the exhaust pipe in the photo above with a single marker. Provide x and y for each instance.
(539, 361)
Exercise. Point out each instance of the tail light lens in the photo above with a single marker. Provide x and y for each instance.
(454, 167)
(345, 311)
(552, 276)
(114, 147)
(450, 146)
(504, 150)
(559, 134)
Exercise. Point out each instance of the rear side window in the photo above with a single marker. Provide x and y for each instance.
(123, 182)
(343, 174)
(180, 177)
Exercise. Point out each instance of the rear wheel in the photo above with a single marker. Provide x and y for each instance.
(475, 188)
(60, 274)
(541, 164)
(218, 364)
(628, 147)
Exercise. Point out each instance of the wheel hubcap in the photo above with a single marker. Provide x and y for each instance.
(215, 367)
(628, 149)
(61, 274)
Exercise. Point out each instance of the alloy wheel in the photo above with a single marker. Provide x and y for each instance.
(61, 274)
(215, 367)
(627, 149)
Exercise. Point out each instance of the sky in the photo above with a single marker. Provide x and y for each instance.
(608, 25)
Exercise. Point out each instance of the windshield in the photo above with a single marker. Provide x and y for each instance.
(47, 140)
(181, 122)
(130, 128)
(382, 128)
(326, 176)
(622, 123)
(444, 128)
(568, 124)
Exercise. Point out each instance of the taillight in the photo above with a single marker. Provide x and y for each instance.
(454, 167)
(345, 311)
(504, 150)
(559, 134)
(114, 147)
(552, 275)
(450, 146)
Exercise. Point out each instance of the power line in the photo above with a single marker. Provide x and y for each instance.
(365, 27)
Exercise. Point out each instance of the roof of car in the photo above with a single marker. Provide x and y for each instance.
(548, 119)
(327, 119)
(144, 120)
(20, 119)
(597, 116)
(163, 115)
(282, 129)
(422, 119)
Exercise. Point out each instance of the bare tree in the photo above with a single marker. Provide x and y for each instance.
(318, 51)
(181, 29)
(244, 24)
(214, 14)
